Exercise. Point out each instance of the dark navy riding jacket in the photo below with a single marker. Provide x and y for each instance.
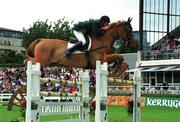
(91, 28)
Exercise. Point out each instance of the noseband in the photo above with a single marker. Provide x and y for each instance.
(114, 36)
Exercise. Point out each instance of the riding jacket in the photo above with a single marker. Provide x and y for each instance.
(91, 28)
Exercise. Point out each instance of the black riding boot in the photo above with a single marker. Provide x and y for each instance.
(69, 51)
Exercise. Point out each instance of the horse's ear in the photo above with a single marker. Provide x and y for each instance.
(129, 20)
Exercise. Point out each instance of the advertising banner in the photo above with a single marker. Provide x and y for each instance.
(162, 102)
(121, 100)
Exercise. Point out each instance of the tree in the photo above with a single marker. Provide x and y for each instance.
(11, 57)
(39, 29)
(44, 29)
(62, 29)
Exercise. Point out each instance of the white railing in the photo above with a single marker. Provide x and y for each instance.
(161, 55)
(174, 90)
(7, 96)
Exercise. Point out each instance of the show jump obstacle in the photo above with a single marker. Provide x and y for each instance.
(80, 107)
(55, 108)
(101, 98)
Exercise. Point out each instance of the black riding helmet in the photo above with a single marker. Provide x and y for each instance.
(104, 19)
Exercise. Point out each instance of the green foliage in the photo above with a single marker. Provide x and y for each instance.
(11, 59)
(62, 29)
(39, 29)
(44, 29)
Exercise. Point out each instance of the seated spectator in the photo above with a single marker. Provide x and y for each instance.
(165, 85)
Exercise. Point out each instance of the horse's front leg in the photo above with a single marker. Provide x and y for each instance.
(115, 60)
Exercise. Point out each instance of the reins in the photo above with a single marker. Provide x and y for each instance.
(103, 45)
(106, 47)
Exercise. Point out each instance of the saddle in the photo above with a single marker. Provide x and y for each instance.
(83, 49)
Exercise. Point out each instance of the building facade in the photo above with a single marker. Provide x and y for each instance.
(10, 40)
(160, 20)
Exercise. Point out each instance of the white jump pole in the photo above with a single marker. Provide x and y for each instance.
(84, 78)
(137, 96)
(101, 92)
(33, 90)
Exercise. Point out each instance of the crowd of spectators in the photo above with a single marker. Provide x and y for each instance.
(170, 44)
(170, 49)
(12, 78)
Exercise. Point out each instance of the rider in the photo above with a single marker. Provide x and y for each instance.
(85, 29)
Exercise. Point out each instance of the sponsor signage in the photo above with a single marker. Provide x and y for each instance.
(162, 102)
(122, 100)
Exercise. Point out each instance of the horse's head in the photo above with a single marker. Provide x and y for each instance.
(122, 30)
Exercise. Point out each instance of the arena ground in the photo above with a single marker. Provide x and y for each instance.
(116, 114)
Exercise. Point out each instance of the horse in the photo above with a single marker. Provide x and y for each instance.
(50, 51)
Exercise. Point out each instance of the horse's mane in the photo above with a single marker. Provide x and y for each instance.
(111, 25)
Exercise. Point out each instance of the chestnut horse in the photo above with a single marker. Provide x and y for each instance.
(49, 51)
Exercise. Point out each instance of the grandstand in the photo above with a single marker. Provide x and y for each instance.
(160, 64)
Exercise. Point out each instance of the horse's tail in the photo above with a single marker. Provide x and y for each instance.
(30, 49)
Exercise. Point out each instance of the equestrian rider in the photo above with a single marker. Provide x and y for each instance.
(88, 28)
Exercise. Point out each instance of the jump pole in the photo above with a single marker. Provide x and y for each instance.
(33, 90)
(101, 114)
(137, 96)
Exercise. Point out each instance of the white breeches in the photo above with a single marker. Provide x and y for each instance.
(79, 35)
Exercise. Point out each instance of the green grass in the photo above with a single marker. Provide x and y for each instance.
(160, 114)
(7, 116)
(116, 114)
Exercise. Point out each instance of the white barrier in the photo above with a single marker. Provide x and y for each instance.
(101, 98)
(54, 108)
(101, 114)
(137, 96)
(5, 97)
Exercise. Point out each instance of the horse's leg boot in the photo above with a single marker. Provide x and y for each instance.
(70, 50)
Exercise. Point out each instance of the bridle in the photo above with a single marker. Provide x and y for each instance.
(108, 48)
(127, 33)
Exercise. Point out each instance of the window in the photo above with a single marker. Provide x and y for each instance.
(168, 77)
(176, 77)
(159, 77)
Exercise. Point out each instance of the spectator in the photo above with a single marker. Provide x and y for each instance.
(165, 85)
